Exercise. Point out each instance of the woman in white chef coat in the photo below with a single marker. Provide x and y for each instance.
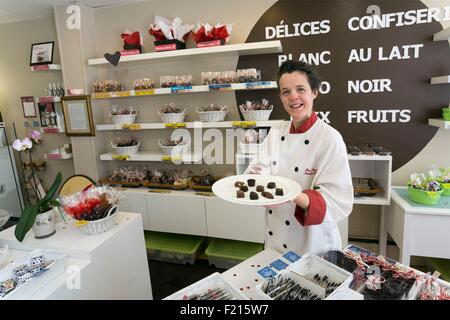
(312, 153)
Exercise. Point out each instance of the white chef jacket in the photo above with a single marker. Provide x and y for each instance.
(316, 159)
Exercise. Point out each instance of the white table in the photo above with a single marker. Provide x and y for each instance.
(113, 265)
(417, 229)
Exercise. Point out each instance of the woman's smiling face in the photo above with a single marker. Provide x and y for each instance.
(297, 96)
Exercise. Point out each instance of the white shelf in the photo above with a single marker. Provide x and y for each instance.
(57, 156)
(149, 156)
(194, 89)
(189, 125)
(263, 47)
(440, 123)
(46, 67)
(379, 200)
(440, 80)
(443, 35)
(373, 158)
(47, 99)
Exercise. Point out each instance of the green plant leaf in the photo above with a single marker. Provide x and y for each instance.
(51, 192)
(26, 222)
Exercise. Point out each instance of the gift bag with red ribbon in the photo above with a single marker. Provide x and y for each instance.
(132, 42)
(206, 35)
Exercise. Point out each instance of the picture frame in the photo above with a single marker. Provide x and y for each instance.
(41, 53)
(77, 112)
(28, 107)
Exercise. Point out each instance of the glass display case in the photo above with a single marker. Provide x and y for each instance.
(11, 200)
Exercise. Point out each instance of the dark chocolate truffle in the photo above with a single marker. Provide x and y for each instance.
(260, 188)
(267, 195)
(271, 185)
(279, 191)
(243, 188)
(253, 196)
(238, 184)
(251, 182)
(240, 194)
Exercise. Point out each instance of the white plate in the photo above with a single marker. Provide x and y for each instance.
(225, 189)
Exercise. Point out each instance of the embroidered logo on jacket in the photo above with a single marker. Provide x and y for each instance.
(310, 172)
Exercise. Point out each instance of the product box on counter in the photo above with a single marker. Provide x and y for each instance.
(26, 276)
(213, 287)
(309, 278)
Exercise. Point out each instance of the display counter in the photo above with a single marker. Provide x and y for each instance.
(351, 274)
(110, 265)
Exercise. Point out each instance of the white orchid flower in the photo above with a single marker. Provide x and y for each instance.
(17, 145)
(26, 142)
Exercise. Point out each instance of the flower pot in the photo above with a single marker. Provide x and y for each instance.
(44, 225)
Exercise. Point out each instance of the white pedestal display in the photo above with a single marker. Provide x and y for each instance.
(111, 265)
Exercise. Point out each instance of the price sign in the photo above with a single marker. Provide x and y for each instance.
(131, 126)
(121, 157)
(146, 92)
(123, 93)
(169, 158)
(159, 191)
(101, 95)
(244, 124)
(175, 125)
(80, 223)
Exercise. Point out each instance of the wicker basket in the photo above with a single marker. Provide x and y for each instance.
(424, 197)
(102, 225)
(446, 113)
(124, 118)
(211, 116)
(173, 150)
(172, 117)
(256, 115)
(125, 151)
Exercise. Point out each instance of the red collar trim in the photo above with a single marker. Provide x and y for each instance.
(305, 126)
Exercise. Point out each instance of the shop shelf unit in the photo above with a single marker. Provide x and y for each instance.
(184, 211)
(443, 35)
(440, 123)
(46, 67)
(440, 80)
(377, 167)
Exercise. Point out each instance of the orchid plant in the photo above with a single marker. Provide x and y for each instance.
(44, 202)
(26, 145)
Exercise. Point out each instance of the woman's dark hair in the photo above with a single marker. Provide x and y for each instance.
(290, 66)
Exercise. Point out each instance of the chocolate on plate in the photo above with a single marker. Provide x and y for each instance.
(260, 188)
(253, 196)
(240, 194)
(267, 195)
(243, 188)
(271, 185)
(279, 191)
(238, 184)
(251, 182)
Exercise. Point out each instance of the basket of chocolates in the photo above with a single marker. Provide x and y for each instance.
(94, 209)
(446, 113)
(128, 177)
(212, 113)
(256, 110)
(251, 141)
(175, 146)
(202, 182)
(424, 190)
(174, 180)
(170, 113)
(125, 115)
(125, 148)
(443, 177)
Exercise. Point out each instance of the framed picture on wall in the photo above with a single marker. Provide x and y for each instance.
(29, 110)
(41, 53)
(78, 115)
